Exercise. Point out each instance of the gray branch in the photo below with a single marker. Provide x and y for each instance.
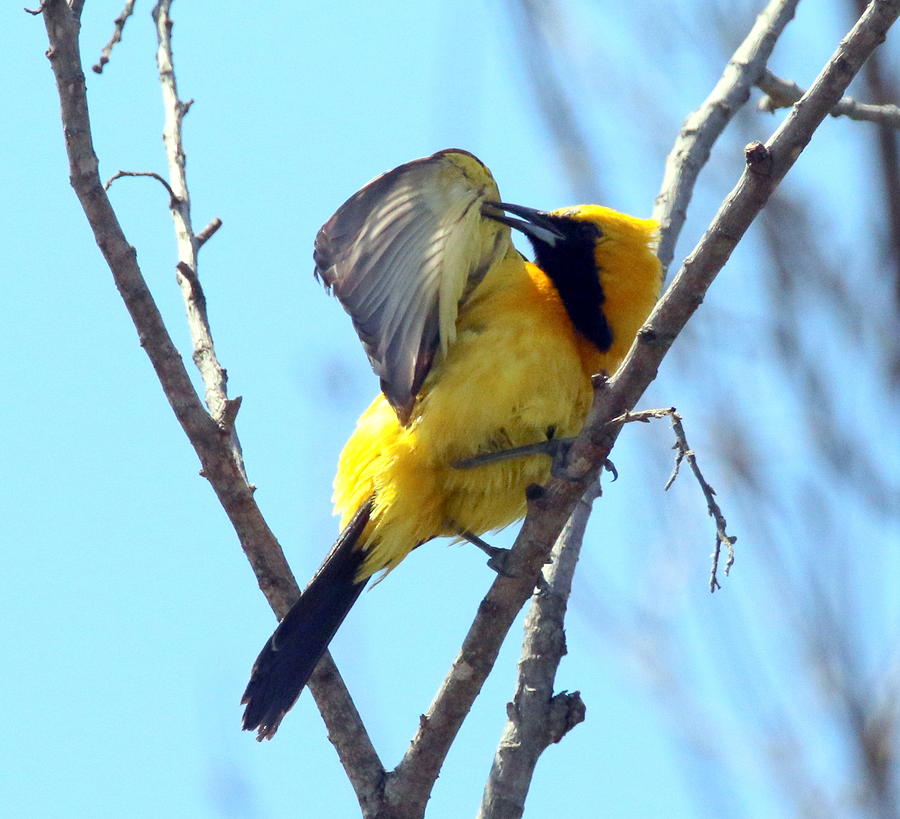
(703, 127)
(219, 459)
(537, 717)
(783, 94)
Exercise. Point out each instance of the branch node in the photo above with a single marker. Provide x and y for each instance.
(650, 336)
(38, 10)
(759, 159)
(566, 711)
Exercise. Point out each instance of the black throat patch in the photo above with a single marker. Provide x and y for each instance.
(572, 268)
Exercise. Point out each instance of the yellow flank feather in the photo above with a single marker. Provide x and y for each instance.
(516, 373)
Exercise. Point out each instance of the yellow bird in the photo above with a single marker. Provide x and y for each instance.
(478, 351)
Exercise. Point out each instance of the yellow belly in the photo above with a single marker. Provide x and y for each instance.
(514, 376)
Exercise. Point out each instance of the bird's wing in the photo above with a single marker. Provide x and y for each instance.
(402, 253)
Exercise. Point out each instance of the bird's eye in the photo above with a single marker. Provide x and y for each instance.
(591, 230)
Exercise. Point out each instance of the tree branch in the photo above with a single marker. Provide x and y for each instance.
(210, 440)
(549, 508)
(703, 127)
(150, 174)
(345, 727)
(205, 435)
(118, 28)
(684, 452)
(214, 376)
(783, 94)
(537, 718)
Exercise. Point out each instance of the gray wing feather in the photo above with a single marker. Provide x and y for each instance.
(383, 255)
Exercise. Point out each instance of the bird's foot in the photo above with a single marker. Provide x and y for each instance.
(497, 558)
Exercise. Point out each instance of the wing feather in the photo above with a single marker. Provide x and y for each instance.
(402, 253)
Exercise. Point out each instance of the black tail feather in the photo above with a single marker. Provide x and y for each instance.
(290, 655)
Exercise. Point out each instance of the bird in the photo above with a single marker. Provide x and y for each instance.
(479, 351)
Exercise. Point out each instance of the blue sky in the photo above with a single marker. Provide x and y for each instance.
(132, 617)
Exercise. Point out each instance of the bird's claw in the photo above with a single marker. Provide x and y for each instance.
(498, 559)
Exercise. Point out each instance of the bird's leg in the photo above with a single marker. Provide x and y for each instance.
(497, 558)
(556, 448)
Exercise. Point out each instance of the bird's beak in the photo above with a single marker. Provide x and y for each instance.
(535, 224)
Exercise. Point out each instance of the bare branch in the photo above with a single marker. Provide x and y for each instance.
(218, 462)
(119, 174)
(550, 506)
(684, 452)
(536, 717)
(118, 28)
(214, 376)
(882, 87)
(703, 127)
(345, 728)
(218, 467)
(783, 94)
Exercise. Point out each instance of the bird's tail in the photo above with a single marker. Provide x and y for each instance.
(292, 652)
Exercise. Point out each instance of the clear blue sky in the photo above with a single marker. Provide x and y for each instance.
(131, 617)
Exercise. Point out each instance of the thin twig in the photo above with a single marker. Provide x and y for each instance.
(173, 199)
(118, 28)
(229, 482)
(703, 127)
(783, 94)
(213, 374)
(684, 452)
(345, 728)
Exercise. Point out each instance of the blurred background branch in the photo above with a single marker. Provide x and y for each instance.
(796, 397)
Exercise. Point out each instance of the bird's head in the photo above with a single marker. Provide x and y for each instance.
(602, 263)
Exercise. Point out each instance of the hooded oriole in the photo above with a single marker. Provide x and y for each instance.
(477, 349)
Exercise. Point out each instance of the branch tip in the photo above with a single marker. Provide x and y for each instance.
(781, 93)
(118, 28)
(208, 232)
